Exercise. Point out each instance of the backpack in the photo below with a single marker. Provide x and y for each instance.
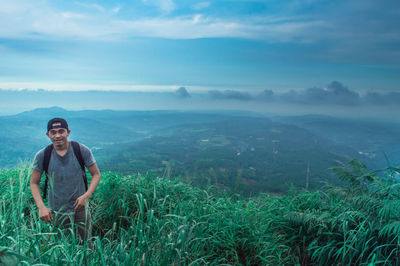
(46, 161)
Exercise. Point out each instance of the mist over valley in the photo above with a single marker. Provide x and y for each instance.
(245, 152)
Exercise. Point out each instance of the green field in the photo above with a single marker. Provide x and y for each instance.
(147, 220)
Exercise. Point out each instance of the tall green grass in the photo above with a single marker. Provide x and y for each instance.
(357, 224)
(146, 220)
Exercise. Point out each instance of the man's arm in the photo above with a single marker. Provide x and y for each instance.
(82, 200)
(44, 212)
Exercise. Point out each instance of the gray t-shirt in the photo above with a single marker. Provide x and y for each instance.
(65, 177)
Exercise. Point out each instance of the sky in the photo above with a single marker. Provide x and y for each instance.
(331, 57)
(162, 45)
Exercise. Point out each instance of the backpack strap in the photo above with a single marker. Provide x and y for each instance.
(78, 154)
(46, 161)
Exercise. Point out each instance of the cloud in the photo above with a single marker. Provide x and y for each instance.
(346, 29)
(229, 95)
(91, 6)
(185, 27)
(166, 6)
(266, 95)
(201, 5)
(375, 98)
(182, 93)
(40, 19)
(97, 7)
(291, 97)
(343, 36)
(116, 9)
(334, 94)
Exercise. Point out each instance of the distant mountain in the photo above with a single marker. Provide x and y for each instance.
(43, 112)
(372, 139)
(94, 128)
(245, 152)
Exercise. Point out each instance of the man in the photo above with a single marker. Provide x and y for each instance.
(67, 197)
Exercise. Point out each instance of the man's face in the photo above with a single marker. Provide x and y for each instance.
(59, 136)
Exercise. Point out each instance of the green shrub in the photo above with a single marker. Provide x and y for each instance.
(147, 220)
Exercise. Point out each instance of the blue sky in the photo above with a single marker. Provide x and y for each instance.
(161, 45)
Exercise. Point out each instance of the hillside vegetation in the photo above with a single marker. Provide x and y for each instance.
(244, 152)
(257, 156)
(146, 220)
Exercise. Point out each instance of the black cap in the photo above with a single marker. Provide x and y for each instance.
(57, 123)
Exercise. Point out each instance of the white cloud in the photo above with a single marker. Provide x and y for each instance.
(166, 6)
(69, 15)
(91, 6)
(187, 27)
(111, 86)
(39, 19)
(201, 5)
(98, 7)
(116, 9)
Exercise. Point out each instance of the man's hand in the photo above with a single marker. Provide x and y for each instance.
(81, 202)
(45, 214)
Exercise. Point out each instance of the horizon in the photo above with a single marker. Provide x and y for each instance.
(368, 115)
(334, 100)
